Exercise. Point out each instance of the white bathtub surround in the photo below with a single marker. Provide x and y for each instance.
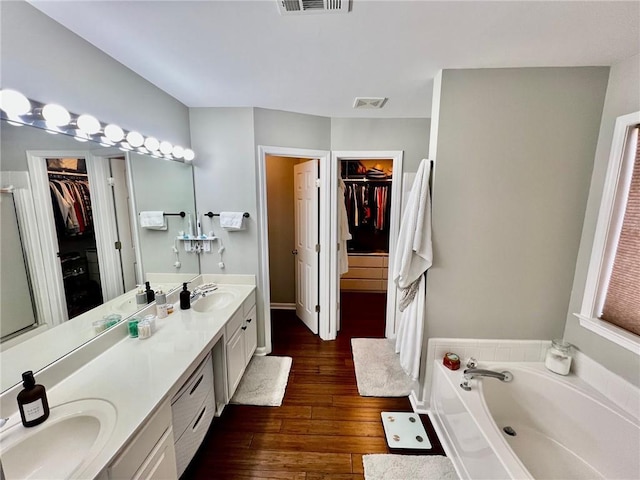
(615, 388)
(408, 467)
(378, 370)
(414, 257)
(481, 349)
(564, 427)
(264, 382)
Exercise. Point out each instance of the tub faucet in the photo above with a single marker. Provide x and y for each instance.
(471, 373)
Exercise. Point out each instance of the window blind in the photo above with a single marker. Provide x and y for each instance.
(622, 302)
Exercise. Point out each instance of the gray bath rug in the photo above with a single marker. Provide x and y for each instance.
(408, 467)
(378, 370)
(264, 382)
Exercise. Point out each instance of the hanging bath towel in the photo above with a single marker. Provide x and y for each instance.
(413, 257)
(153, 220)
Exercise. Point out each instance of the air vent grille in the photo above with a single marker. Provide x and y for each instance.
(298, 7)
(369, 102)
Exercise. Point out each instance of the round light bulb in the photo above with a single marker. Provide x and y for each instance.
(14, 103)
(135, 139)
(189, 154)
(113, 132)
(152, 144)
(166, 147)
(177, 151)
(56, 115)
(88, 124)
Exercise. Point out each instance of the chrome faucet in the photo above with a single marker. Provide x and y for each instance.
(471, 373)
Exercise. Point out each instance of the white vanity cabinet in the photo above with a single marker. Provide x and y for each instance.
(193, 408)
(150, 455)
(242, 339)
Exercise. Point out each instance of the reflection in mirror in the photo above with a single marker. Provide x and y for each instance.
(103, 270)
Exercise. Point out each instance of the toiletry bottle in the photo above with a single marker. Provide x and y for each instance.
(185, 297)
(151, 296)
(32, 401)
(162, 308)
(141, 297)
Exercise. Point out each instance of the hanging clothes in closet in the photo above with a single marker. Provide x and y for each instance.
(71, 204)
(368, 205)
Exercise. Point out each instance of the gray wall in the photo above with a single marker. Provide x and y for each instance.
(515, 155)
(48, 63)
(623, 96)
(408, 134)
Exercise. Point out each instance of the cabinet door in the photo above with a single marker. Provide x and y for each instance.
(250, 334)
(236, 360)
(161, 463)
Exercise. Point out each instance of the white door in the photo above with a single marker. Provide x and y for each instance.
(306, 242)
(123, 222)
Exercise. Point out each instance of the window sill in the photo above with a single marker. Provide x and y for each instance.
(611, 332)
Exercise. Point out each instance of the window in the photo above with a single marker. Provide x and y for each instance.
(611, 304)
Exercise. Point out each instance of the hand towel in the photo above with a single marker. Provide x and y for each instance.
(232, 220)
(153, 220)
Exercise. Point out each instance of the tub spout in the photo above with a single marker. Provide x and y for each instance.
(471, 373)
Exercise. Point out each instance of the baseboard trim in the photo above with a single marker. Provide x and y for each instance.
(416, 405)
(262, 351)
(283, 306)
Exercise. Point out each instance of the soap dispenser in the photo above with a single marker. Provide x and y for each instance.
(151, 296)
(141, 297)
(32, 401)
(185, 297)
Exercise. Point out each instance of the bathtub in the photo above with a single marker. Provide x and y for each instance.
(564, 428)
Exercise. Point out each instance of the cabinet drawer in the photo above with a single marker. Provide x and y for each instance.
(188, 444)
(361, 272)
(363, 285)
(190, 397)
(134, 455)
(385, 273)
(161, 463)
(248, 303)
(234, 324)
(365, 261)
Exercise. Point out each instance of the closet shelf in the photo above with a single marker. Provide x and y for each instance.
(368, 180)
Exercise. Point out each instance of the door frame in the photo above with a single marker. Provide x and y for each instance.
(394, 228)
(110, 274)
(324, 262)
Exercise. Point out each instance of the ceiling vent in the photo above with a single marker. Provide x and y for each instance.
(298, 7)
(369, 102)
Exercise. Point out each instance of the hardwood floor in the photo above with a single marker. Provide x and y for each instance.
(324, 426)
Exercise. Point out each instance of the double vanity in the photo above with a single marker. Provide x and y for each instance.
(123, 407)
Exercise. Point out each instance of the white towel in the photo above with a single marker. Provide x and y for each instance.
(153, 220)
(413, 257)
(232, 220)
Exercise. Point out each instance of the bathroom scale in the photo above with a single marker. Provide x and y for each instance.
(404, 430)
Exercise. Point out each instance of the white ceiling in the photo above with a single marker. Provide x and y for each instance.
(244, 53)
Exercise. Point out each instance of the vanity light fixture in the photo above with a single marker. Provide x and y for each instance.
(17, 109)
(152, 144)
(56, 115)
(113, 132)
(14, 103)
(88, 124)
(135, 139)
(165, 148)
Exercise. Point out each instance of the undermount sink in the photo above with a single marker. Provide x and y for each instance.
(214, 301)
(62, 446)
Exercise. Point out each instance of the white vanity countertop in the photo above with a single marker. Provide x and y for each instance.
(137, 375)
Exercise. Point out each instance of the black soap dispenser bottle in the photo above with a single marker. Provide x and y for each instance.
(151, 295)
(32, 401)
(185, 297)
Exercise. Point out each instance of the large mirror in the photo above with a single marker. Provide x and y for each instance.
(73, 247)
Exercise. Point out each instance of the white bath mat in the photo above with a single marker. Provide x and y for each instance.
(264, 382)
(408, 467)
(378, 370)
(405, 430)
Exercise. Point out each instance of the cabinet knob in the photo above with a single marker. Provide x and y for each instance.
(295, 252)
(244, 328)
(249, 320)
